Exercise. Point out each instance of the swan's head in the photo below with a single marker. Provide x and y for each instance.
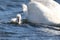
(24, 7)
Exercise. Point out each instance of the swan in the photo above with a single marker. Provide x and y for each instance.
(39, 13)
(17, 19)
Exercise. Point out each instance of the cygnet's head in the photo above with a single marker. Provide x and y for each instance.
(18, 15)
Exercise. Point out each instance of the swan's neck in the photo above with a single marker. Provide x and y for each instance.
(25, 10)
(19, 20)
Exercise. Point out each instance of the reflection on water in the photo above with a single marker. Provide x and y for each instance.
(9, 9)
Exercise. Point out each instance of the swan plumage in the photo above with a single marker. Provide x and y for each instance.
(39, 13)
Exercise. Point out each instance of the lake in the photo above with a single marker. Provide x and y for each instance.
(8, 10)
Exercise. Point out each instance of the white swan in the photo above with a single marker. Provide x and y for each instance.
(17, 19)
(39, 13)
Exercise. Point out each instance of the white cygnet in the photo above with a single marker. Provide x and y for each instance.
(17, 19)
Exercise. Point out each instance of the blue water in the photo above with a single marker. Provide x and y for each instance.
(8, 10)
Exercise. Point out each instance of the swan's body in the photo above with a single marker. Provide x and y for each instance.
(17, 19)
(39, 13)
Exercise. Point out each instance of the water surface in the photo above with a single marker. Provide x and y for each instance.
(8, 10)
